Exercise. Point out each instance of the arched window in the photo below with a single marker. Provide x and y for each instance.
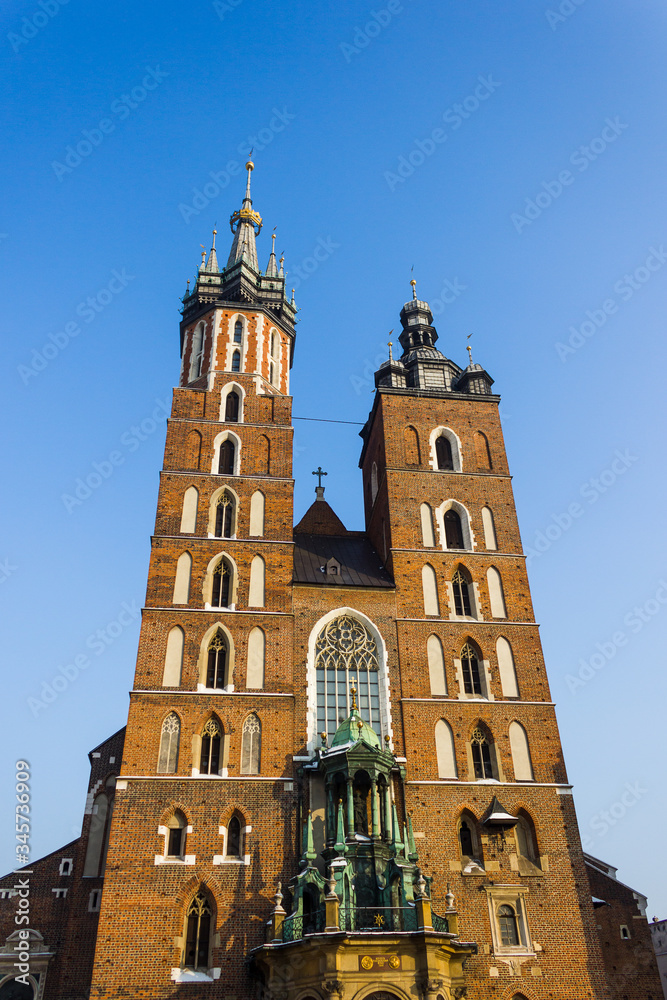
(444, 749)
(100, 825)
(523, 768)
(217, 662)
(374, 482)
(453, 529)
(226, 458)
(209, 762)
(488, 524)
(232, 406)
(506, 669)
(236, 361)
(199, 919)
(272, 372)
(257, 504)
(482, 758)
(526, 840)
(462, 586)
(443, 453)
(507, 924)
(436, 666)
(496, 595)
(345, 651)
(197, 354)
(251, 744)
(169, 741)
(263, 452)
(482, 453)
(193, 450)
(256, 597)
(411, 446)
(222, 585)
(233, 846)
(465, 839)
(12, 989)
(189, 513)
(176, 835)
(238, 332)
(256, 659)
(428, 535)
(224, 516)
(274, 344)
(173, 660)
(182, 579)
(470, 669)
(430, 590)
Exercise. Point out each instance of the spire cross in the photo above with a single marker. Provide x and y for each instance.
(319, 475)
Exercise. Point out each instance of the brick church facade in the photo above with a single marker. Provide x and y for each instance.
(341, 776)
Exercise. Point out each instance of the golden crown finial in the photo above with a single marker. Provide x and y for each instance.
(250, 166)
(353, 692)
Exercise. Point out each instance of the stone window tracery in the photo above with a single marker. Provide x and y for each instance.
(346, 651)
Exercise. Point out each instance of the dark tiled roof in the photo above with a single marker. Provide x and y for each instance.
(358, 563)
(320, 519)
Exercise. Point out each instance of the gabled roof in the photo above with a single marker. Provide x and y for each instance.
(357, 562)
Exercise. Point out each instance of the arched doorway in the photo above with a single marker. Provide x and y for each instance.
(13, 990)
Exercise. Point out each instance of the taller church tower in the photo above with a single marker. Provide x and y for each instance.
(342, 776)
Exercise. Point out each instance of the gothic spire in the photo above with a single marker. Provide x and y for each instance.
(212, 262)
(243, 225)
(272, 266)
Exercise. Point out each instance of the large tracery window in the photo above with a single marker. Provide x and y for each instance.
(346, 651)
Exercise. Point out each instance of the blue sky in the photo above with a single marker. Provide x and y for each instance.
(512, 151)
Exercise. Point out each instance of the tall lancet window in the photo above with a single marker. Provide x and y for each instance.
(346, 651)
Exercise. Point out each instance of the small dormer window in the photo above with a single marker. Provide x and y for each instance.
(65, 866)
(332, 568)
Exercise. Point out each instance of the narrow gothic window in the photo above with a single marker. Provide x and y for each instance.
(482, 453)
(272, 373)
(236, 361)
(345, 651)
(216, 668)
(210, 748)
(224, 512)
(465, 837)
(176, 836)
(443, 453)
(198, 933)
(234, 838)
(481, 755)
(509, 932)
(251, 745)
(453, 529)
(221, 585)
(232, 407)
(193, 450)
(238, 332)
(461, 594)
(226, 459)
(169, 740)
(472, 681)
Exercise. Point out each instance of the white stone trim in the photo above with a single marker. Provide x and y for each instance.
(455, 442)
(469, 544)
(226, 435)
(226, 389)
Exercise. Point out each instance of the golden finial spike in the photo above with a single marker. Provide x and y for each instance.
(215, 233)
(390, 345)
(353, 692)
(414, 288)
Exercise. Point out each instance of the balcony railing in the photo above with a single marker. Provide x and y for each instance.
(378, 919)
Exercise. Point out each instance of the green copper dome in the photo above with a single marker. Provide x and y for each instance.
(355, 729)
